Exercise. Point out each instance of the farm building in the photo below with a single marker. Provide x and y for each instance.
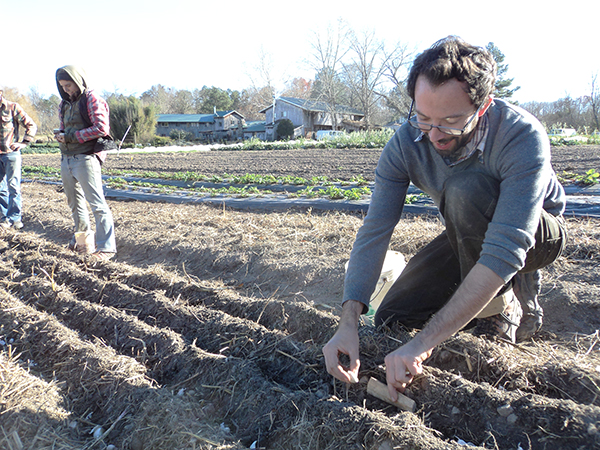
(221, 125)
(307, 116)
(255, 129)
(310, 116)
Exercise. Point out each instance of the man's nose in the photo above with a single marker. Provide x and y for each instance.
(436, 135)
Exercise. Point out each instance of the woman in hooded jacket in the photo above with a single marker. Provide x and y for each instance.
(80, 163)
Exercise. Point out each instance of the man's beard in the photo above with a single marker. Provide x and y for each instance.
(456, 151)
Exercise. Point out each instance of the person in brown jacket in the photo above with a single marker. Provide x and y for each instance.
(12, 116)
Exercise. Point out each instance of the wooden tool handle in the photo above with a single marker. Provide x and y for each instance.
(377, 389)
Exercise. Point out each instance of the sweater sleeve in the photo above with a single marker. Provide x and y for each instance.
(520, 159)
(370, 247)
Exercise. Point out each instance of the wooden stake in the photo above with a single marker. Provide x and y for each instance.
(377, 389)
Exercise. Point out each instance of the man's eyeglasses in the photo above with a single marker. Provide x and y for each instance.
(425, 127)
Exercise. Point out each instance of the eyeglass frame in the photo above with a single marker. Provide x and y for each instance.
(441, 128)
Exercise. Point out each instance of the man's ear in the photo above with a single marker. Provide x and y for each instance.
(486, 105)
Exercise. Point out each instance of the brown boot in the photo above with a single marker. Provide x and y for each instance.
(503, 325)
(527, 288)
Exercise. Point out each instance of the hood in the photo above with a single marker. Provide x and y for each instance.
(78, 76)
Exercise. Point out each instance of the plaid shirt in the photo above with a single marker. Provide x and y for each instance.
(12, 115)
(98, 114)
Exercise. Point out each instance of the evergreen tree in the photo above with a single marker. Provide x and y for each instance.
(285, 129)
(208, 99)
(503, 84)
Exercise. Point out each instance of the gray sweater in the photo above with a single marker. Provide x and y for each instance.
(517, 153)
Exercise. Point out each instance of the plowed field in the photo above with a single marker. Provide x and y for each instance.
(205, 332)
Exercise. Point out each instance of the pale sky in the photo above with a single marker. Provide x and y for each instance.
(128, 46)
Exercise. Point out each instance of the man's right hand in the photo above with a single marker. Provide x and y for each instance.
(345, 340)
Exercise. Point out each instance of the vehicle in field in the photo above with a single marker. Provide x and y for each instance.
(328, 134)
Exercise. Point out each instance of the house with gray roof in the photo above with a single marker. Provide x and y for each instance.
(255, 129)
(218, 126)
(310, 116)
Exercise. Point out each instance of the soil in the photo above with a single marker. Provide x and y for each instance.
(342, 164)
(205, 331)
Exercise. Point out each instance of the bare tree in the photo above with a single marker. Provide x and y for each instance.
(565, 112)
(252, 101)
(328, 52)
(159, 96)
(261, 92)
(14, 95)
(594, 101)
(371, 70)
(47, 111)
(298, 88)
(364, 72)
(396, 62)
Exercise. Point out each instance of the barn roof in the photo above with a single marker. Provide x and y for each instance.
(194, 118)
(319, 106)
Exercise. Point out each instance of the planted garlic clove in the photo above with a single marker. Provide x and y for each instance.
(97, 432)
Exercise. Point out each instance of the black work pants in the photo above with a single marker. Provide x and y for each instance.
(432, 276)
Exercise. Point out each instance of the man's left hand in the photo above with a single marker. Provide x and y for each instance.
(402, 365)
(17, 146)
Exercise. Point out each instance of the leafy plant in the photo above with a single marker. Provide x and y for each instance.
(295, 181)
(50, 147)
(591, 177)
(316, 181)
(309, 192)
(40, 171)
(412, 198)
(353, 194)
(358, 139)
(359, 179)
(334, 193)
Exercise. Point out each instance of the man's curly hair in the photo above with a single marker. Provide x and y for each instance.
(452, 57)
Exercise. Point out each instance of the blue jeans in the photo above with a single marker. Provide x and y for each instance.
(82, 180)
(10, 185)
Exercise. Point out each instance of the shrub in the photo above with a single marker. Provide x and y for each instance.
(181, 135)
(285, 129)
(161, 141)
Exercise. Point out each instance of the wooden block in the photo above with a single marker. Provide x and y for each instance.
(378, 389)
